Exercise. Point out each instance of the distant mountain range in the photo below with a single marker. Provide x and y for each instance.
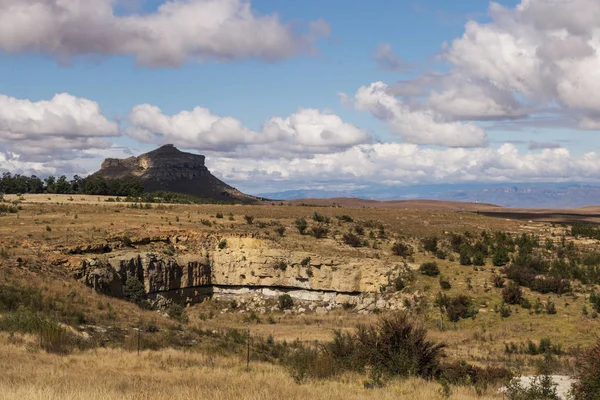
(522, 195)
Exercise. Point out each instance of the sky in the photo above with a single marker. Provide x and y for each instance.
(335, 94)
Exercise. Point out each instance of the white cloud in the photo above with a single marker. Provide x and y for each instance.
(401, 163)
(180, 30)
(546, 51)
(465, 99)
(418, 126)
(307, 131)
(43, 129)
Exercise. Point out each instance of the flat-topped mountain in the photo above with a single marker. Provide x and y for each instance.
(170, 169)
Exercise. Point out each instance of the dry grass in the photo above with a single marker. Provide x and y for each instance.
(117, 374)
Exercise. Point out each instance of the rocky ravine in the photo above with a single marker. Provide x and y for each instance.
(246, 267)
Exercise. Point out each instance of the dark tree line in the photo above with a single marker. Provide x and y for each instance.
(94, 185)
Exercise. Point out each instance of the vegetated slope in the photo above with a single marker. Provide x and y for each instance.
(481, 317)
(171, 170)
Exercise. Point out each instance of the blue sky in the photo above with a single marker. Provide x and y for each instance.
(482, 113)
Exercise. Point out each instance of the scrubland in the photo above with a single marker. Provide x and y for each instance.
(204, 353)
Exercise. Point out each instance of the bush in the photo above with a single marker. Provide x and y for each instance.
(587, 374)
(52, 337)
(280, 230)
(222, 244)
(285, 302)
(249, 219)
(498, 281)
(178, 313)
(479, 259)
(134, 290)
(8, 209)
(461, 373)
(319, 218)
(500, 256)
(219, 215)
(445, 283)
(512, 294)
(429, 269)
(465, 255)
(402, 249)
(319, 231)
(430, 244)
(459, 307)
(301, 225)
(280, 265)
(394, 346)
(352, 240)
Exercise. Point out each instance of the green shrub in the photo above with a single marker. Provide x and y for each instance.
(346, 218)
(500, 256)
(320, 218)
(503, 310)
(587, 374)
(52, 337)
(459, 307)
(429, 268)
(222, 243)
(280, 265)
(430, 244)
(402, 249)
(395, 346)
(134, 290)
(512, 294)
(178, 313)
(445, 283)
(301, 225)
(319, 231)
(285, 302)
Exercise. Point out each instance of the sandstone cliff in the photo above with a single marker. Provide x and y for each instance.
(170, 169)
(245, 265)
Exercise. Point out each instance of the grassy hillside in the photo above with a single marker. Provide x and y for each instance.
(51, 322)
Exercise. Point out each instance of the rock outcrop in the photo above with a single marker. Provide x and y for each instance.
(246, 266)
(169, 169)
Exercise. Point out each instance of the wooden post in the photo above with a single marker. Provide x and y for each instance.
(248, 353)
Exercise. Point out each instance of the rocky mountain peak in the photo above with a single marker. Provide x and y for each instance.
(170, 169)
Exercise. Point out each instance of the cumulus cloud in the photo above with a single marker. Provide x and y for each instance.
(417, 126)
(546, 51)
(307, 131)
(401, 163)
(178, 31)
(54, 128)
(385, 57)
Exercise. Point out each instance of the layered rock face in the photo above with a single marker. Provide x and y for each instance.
(170, 169)
(245, 266)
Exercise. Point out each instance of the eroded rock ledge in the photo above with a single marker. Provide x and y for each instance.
(245, 267)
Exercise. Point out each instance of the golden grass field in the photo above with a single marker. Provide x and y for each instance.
(48, 224)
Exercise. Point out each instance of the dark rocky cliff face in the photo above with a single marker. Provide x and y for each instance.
(169, 169)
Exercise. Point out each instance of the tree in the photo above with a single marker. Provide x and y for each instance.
(50, 184)
(62, 186)
(500, 256)
(587, 375)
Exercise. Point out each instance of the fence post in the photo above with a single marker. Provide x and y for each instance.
(248, 353)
